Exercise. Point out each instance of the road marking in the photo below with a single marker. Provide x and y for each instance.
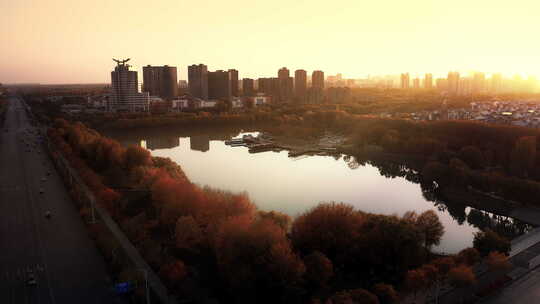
(10, 189)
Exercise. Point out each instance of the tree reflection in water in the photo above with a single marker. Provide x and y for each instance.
(460, 212)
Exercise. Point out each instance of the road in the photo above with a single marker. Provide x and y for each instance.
(525, 290)
(58, 251)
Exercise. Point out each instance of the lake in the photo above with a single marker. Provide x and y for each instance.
(292, 186)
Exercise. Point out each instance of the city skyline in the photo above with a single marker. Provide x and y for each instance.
(354, 39)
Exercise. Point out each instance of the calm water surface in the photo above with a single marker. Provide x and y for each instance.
(276, 182)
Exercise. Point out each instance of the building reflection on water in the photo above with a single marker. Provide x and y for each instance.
(197, 143)
(154, 143)
(200, 143)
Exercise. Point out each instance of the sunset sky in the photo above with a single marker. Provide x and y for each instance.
(66, 41)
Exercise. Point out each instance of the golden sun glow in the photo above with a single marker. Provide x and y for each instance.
(63, 41)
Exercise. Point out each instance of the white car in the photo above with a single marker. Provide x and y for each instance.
(31, 281)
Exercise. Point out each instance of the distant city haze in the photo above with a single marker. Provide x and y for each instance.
(65, 41)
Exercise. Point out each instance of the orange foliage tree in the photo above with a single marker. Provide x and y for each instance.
(319, 269)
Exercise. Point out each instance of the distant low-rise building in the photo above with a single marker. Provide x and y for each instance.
(259, 99)
(236, 103)
(201, 104)
(72, 108)
(180, 104)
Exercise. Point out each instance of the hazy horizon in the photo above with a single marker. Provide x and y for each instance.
(64, 42)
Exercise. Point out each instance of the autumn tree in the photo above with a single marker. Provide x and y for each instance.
(472, 156)
(319, 269)
(281, 219)
(255, 257)
(188, 234)
(498, 262)
(329, 228)
(137, 156)
(217, 205)
(387, 245)
(134, 227)
(430, 227)
(342, 297)
(415, 281)
(523, 156)
(488, 241)
(410, 216)
(435, 172)
(362, 296)
(173, 272)
(443, 266)
(386, 293)
(110, 199)
(468, 256)
(462, 277)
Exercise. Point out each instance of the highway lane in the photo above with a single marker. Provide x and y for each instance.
(58, 251)
(525, 290)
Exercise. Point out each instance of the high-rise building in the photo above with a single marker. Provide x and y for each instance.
(453, 82)
(270, 87)
(248, 87)
(416, 83)
(219, 85)
(405, 81)
(160, 81)
(478, 83)
(125, 94)
(183, 87)
(338, 94)
(264, 85)
(466, 86)
(234, 82)
(300, 84)
(183, 84)
(496, 83)
(317, 79)
(428, 81)
(442, 84)
(285, 85)
(316, 92)
(198, 81)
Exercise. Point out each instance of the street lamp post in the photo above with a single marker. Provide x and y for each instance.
(146, 284)
(92, 208)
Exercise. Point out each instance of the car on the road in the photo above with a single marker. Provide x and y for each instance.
(41, 191)
(31, 280)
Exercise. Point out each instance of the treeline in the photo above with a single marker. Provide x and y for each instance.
(212, 245)
(131, 121)
(491, 158)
